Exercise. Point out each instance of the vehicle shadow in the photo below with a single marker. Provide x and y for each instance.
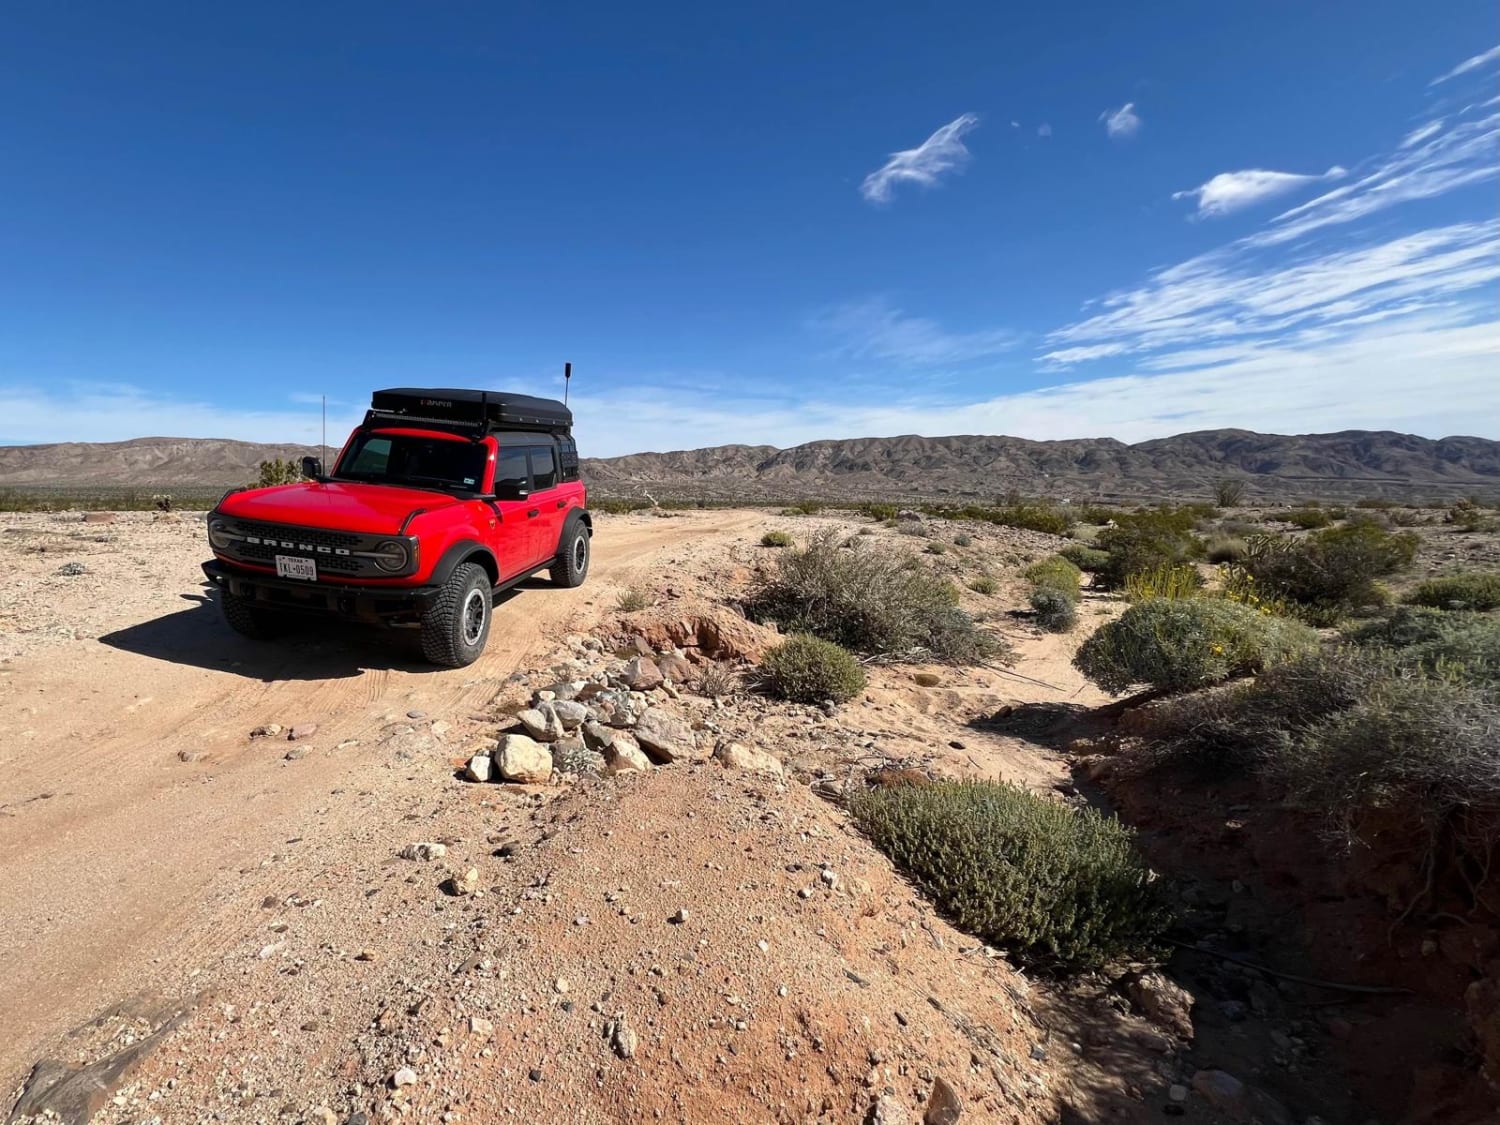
(313, 649)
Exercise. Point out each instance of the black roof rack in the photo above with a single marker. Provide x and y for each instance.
(467, 411)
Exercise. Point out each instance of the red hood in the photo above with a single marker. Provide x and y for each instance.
(373, 508)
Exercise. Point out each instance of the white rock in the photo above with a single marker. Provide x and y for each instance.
(541, 723)
(425, 851)
(481, 767)
(736, 755)
(622, 755)
(523, 759)
(406, 1076)
(666, 737)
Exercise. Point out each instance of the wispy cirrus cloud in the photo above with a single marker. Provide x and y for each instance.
(876, 329)
(1421, 133)
(940, 153)
(1473, 63)
(1123, 123)
(1234, 191)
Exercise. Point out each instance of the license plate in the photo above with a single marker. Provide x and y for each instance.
(289, 567)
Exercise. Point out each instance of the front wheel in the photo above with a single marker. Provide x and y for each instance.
(571, 566)
(457, 623)
(250, 620)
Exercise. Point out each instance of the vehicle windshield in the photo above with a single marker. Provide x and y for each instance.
(414, 462)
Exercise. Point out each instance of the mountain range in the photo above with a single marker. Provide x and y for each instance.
(1345, 465)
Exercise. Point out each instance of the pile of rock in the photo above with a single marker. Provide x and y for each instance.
(613, 718)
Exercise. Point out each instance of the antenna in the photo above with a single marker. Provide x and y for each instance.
(567, 379)
(323, 448)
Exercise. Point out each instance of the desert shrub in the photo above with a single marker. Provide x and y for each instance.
(879, 512)
(868, 599)
(913, 528)
(776, 539)
(633, 598)
(717, 680)
(1474, 590)
(1055, 573)
(1225, 548)
(806, 669)
(1329, 571)
(1054, 887)
(1173, 646)
(1055, 611)
(1146, 540)
(807, 507)
(1229, 492)
(891, 524)
(963, 540)
(1378, 503)
(1467, 515)
(937, 547)
(1032, 516)
(162, 501)
(276, 471)
(1308, 519)
(1085, 558)
(1096, 514)
(1337, 512)
(615, 506)
(984, 584)
(1439, 641)
(1163, 582)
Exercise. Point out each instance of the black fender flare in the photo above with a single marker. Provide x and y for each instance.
(465, 550)
(582, 516)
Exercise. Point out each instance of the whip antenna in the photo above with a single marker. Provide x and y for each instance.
(567, 379)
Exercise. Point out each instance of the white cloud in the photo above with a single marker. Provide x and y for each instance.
(1044, 130)
(1234, 191)
(1469, 64)
(942, 152)
(874, 329)
(1066, 357)
(1420, 134)
(1121, 124)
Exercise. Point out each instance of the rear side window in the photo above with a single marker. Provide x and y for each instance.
(510, 469)
(543, 467)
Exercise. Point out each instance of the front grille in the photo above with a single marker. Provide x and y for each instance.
(331, 549)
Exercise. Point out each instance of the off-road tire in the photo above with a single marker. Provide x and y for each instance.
(571, 566)
(250, 620)
(457, 623)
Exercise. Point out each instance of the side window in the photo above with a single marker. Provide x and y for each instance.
(372, 457)
(510, 469)
(543, 467)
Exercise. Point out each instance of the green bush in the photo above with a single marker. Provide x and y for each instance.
(1229, 492)
(1147, 540)
(1096, 514)
(276, 471)
(805, 669)
(806, 507)
(1439, 641)
(1225, 548)
(870, 599)
(776, 539)
(1055, 573)
(963, 540)
(1055, 611)
(616, 507)
(984, 584)
(1085, 558)
(1050, 518)
(937, 547)
(880, 512)
(1056, 888)
(1308, 519)
(1329, 571)
(1175, 646)
(1474, 590)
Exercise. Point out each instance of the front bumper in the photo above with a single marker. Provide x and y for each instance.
(328, 599)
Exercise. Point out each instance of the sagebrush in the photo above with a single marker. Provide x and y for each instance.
(1331, 571)
(1055, 611)
(776, 539)
(807, 669)
(1056, 888)
(1055, 573)
(1477, 590)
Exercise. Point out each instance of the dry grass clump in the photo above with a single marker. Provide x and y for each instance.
(1225, 548)
(1054, 887)
(776, 539)
(633, 599)
(870, 599)
(717, 680)
(805, 669)
(984, 584)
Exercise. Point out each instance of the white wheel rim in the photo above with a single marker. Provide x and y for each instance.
(474, 617)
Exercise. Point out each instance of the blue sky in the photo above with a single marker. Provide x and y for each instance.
(773, 223)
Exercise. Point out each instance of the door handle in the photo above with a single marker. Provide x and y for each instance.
(533, 513)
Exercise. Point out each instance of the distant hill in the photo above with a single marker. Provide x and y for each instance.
(1275, 467)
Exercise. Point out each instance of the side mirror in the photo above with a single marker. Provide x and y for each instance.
(510, 490)
(312, 468)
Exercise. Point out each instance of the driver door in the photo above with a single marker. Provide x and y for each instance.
(516, 544)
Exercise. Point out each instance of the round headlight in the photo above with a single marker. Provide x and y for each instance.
(218, 535)
(391, 556)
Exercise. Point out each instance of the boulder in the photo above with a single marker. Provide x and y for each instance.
(1164, 1002)
(481, 767)
(597, 737)
(736, 755)
(541, 722)
(570, 714)
(674, 667)
(641, 674)
(523, 759)
(622, 755)
(666, 737)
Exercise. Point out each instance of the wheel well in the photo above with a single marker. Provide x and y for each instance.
(486, 560)
(588, 521)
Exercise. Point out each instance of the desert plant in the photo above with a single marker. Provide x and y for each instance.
(1308, 519)
(984, 584)
(1055, 573)
(1146, 540)
(1329, 571)
(776, 539)
(869, 599)
(937, 547)
(879, 512)
(633, 598)
(716, 680)
(1439, 641)
(1225, 548)
(806, 669)
(1466, 515)
(1375, 502)
(963, 540)
(1055, 611)
(1056, 888)
(276, 471)
(913, 528)
(805, 508)
(1172, 646)
(1473, 590)
(1229, 492)
(1053, 519)
(1163, 582)
(1096, 514)
(162, 501)
(1085, 558)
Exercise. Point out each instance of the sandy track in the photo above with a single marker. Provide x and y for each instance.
(135, 813)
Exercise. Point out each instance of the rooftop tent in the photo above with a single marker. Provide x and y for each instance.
(479, 410)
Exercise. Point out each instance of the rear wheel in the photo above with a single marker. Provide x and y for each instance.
(571, 566)
(457, 624)
(250, 620)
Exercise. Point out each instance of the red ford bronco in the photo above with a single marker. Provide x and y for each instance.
(439, 500)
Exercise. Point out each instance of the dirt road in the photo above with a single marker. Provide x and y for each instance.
(136, 814)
